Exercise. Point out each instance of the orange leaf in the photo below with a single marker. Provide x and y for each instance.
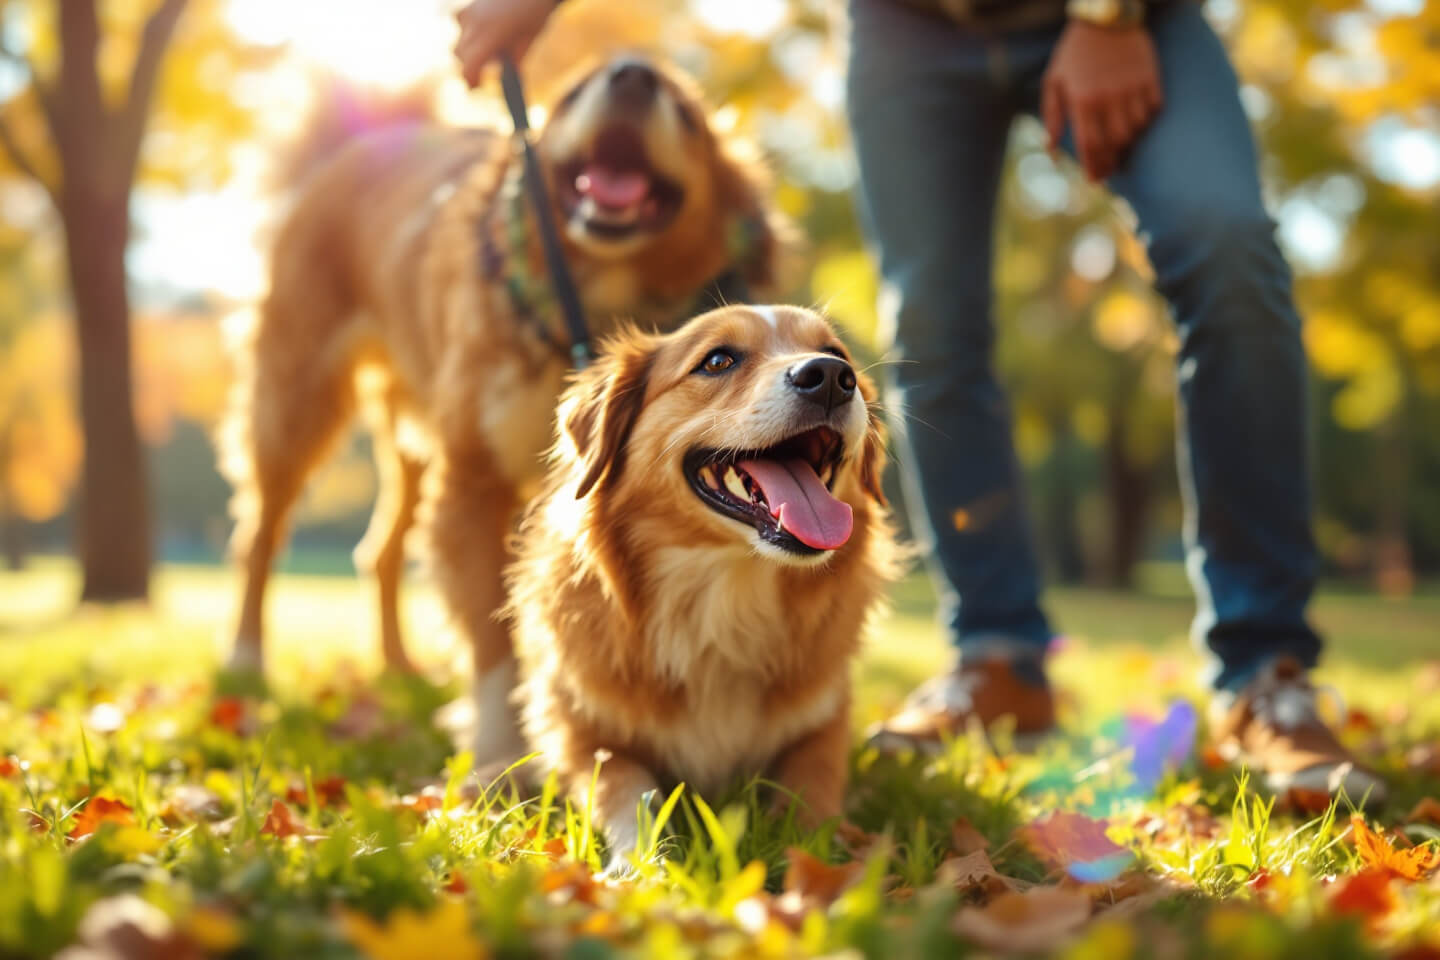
(1366, 894)
(281, 822)
(1426, 811)
(1038, 920)
(813, 878)
(455, 883)
(965, 839)
(572, 878)
(10, 766)
(855, 840)
(1302, 801)
(100, 810)
(1376, 851)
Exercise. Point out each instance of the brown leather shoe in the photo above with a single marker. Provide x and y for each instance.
(1273, 727)
(983, 690)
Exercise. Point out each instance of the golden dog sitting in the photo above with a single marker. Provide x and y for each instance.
(692, 585)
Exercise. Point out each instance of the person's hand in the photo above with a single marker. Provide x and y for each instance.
(1104, 83)
(490, 28)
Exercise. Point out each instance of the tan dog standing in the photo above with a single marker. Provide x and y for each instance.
(690, 590)
(412, 254)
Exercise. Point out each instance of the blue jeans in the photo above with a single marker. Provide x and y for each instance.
(930, 107)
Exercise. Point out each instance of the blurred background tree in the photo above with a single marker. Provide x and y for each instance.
(1343, 95)
(76, 129)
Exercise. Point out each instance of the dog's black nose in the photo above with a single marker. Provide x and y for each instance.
(826, 381)
(634, 82)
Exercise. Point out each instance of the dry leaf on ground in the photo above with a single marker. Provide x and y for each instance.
(814, 879)
(1039, 919)
(965, 839)
(100, 810)
(1378, 852)
(974, 873)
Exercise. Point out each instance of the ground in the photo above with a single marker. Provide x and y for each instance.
(152, 808)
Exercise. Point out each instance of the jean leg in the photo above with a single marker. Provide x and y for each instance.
(930, 112)
(1193, 181)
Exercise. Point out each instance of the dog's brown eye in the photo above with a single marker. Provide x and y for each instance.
(716, 361)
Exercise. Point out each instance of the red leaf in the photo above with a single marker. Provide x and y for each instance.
(1366, 894)
(329, 792)
(97, 811)
(455, 883)
(10, 766)
(281, 822)
(232, 714)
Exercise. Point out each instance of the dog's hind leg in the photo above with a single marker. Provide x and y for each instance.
(293, 396)
(471, 510)
(381, 552)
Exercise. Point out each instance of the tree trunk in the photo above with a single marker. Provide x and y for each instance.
(1127, 487)
(114, 511)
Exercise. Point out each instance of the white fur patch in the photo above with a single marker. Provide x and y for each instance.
(768, 315)
(497, 736)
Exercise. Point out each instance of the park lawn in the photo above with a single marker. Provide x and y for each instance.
(152, 808)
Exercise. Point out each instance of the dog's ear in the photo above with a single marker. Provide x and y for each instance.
(763, 244)
(602, 408)
(873, 454)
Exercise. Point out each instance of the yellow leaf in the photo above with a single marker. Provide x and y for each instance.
(442, 934)
(213, 929)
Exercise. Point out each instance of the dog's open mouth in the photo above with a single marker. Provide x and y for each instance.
(614, 191)
(784, 491)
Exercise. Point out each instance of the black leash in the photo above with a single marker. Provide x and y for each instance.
(580, 352)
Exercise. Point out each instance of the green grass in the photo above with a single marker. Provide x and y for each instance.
(402, 852)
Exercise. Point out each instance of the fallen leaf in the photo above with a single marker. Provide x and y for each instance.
(11, 766)
(1078, 844)
(442, 934)
(329, 792)
(1426, 811)
(128, 928)
(428, 800)
(756, 913)
(233, 714)
(570, 880)
(100, 810)
(455, 883)
(816, 880)
(1360, 721)
(189, 802)
(1376, 851)
(1040, 919)
(973, 873)
(1366, 894)
(1212, 759)
(965, 839)
(282, 822)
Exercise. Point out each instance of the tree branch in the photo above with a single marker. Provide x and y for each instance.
(143, 76)
(22, 161)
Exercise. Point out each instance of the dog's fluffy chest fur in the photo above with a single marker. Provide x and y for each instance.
(710, 688)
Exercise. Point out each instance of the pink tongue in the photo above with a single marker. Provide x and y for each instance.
(612, 188)
(802, 503)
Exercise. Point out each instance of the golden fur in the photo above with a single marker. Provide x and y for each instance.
(380, 269)
(671, 637)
